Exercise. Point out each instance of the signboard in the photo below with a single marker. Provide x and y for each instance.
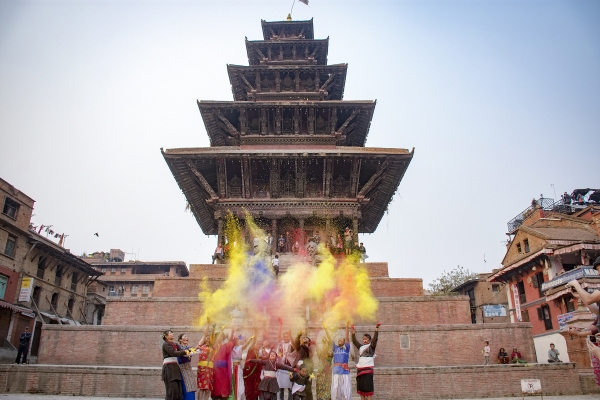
(494, 310)
(563, 319)
(531, 386)
(26, 289)
(517, 302)
(569, 276)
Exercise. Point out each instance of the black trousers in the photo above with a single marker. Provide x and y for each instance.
(23, 350)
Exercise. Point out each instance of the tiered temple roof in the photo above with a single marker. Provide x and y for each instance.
(288, 149)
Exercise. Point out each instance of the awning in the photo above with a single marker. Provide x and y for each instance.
(25, 311)
(562, 292)
(57, 319)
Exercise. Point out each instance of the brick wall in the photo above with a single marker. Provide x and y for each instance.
(82, 381)
(419, 310)
(394, 287)
(473, 382)
(390, 383)
(183, 287)
(171, 311)
(445, 345)
(424, 310)
(437, 345)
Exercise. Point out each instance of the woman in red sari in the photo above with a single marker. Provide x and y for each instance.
(222, 366)
(252, 371)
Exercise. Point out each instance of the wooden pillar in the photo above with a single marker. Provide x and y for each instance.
(222, 177)
(246, 177)
(219, 230)
(355, 228)
(327, 228)
(274, 234)
(302, 233)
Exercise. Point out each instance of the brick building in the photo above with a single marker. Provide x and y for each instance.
(548, 241)
(42, 281)
(487, 300)
(132, 278)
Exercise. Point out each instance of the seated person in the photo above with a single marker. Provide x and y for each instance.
(503, 356)
(553, 354)
(515, 357)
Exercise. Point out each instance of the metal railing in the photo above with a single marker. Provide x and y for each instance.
(543, 203)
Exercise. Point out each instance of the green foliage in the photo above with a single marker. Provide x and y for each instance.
(443, 285)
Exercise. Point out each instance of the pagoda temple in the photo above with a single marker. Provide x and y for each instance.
(288, 149)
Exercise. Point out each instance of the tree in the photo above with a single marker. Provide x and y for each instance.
(449, 280)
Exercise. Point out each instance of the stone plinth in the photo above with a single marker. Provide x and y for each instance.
(390, 383)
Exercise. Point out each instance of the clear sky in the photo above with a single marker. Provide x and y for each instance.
(501, 99)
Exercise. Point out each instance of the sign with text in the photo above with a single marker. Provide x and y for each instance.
(531, 386)
(26, 289)
(563, 319)
(494, 310)
(517, 302)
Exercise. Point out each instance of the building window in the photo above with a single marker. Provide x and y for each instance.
(11, 244)
(113, 270)
(70, 305)
(11, 208)
(58, 277)
(537, 280)
(145, 290)
(544, 315)
(134, 290)
(103, 270)
(37, 292)
(74, 279)
(519, 248)
(526, 245)
(522, 297)
(54, 301)
(3, 284)
(121, 290)
(123, 270)
(111, 290)
(41, 267)
(525, 316)
(495, 288)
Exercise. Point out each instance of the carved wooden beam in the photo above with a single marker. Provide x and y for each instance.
(371, 181)
(228, 126)
(260, 54)
(324, 86)
(53, 265)
(201, 179)
(340, 131)
(243, 78)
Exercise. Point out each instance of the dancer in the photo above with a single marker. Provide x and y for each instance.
(364, 367)
(268, 386)
(287, 356)
(252, 371)
(222, 366)
(301, 382)
(303, 347)
(205, 365)
(188, 380)
(324, 375)
(238, 373)
(341, 387)
(171, 375)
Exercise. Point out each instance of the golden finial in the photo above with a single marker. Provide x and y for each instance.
(289, 17)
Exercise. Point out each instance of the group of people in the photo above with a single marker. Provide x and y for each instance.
(515, 356)
(268, 370)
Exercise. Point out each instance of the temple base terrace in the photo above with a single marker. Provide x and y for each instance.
(391, 383)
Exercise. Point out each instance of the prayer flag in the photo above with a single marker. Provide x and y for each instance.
(303, 1)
